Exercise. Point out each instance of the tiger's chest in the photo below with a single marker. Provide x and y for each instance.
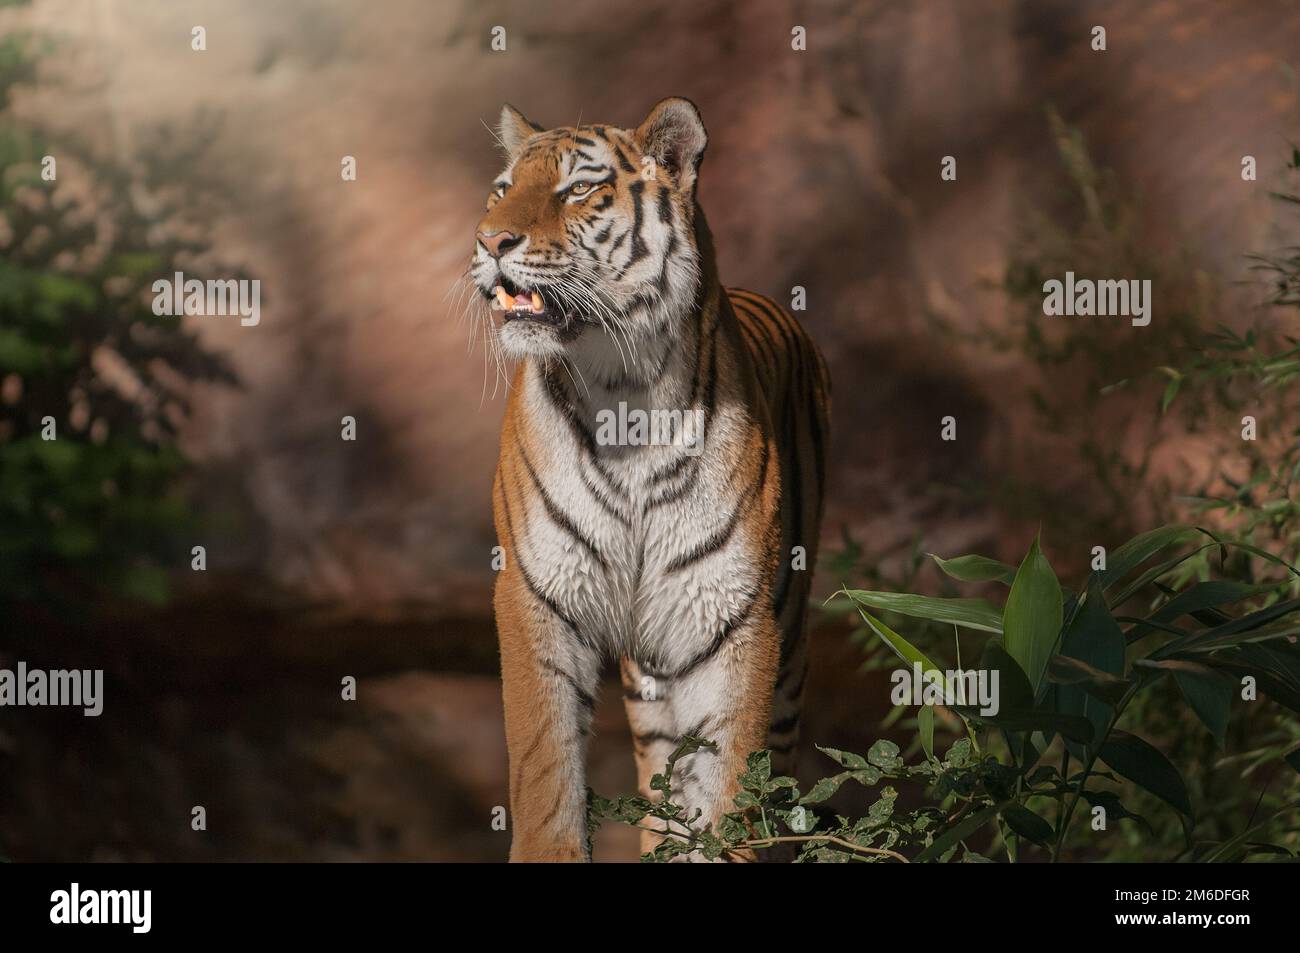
(646, 548)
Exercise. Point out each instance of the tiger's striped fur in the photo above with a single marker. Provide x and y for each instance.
(676, 560)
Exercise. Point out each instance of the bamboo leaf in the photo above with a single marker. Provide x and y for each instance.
(1031, 619)
(1131, 757)
(976, 569)
(970, 613)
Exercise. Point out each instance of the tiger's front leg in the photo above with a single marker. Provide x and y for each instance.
(724, 695)
(549, 679)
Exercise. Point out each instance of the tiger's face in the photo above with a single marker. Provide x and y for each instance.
(587, 242)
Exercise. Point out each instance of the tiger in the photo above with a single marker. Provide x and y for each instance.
(683, 558)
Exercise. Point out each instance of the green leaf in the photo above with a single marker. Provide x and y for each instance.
(1292, 758)
(824, 788)
(958, 756)
(846, 759)
(904, 649)
(976, 569)
(884, 755)
(1110, 802)
(1102, 686)
(1207, 692)
(1155, 572)
(1141, 548)
(1232, 633)
(1233, 849)
(1013, 687)
(1027, 824)
(1210, 696)
(969, 613)
(883, 809)
(1031, 619)
(1072, 727)
(925, 728)
(1242, 661)
(1131, 757)
(1202, 595)
(758, 770)
(1092, 652)
(954, 835)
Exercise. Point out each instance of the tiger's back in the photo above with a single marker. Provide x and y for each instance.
(795, 386)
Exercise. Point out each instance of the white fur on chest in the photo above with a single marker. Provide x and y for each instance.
(620, 575)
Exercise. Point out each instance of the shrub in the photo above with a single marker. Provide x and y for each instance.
(1069, 666)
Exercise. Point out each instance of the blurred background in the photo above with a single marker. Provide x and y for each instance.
(371, 558)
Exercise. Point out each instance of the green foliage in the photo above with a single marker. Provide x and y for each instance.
(1063, 733)
(771, 812)
(84, 359)
(1185, 653)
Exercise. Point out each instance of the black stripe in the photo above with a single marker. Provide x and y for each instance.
(711, 545)
(719, 640)
(585, 698)
(761, 358)
(639, 249)
(672, 496)
(720, 537)
(533, 588)
(670, 471)
(697, 365)
(559, 398)
(598, 495)
(665, 206)
(711, 389)
(558, 516)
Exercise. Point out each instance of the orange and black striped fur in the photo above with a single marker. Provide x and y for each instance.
(686, 555)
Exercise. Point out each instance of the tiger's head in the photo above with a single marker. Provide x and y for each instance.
(588, 241)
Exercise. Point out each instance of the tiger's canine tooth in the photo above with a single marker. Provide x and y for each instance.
(504, 299)
(537, 301)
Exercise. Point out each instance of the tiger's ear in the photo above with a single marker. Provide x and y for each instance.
(673, 134)
(513, 129)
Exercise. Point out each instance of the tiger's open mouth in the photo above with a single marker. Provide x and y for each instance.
(518, 304)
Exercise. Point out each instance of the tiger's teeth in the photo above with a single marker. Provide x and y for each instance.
(504, 299)
(537, 302)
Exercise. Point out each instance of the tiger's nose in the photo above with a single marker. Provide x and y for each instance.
(498, 243)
